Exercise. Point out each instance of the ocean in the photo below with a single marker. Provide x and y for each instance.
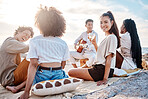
(144, 50)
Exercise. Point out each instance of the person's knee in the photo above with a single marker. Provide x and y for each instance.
(92, 57)
(72, 53)
(72, 59)
(71, 72)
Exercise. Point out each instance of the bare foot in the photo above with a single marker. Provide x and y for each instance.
(12, 89)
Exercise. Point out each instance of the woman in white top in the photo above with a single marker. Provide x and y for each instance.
(130, 46)
(47, 52)
(106, 52)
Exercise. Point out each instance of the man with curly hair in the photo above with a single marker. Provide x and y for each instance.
(12, 71)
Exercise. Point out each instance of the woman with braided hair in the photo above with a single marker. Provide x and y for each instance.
(130, 46)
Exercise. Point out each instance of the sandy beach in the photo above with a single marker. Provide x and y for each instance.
(133, 87)
(89, 90)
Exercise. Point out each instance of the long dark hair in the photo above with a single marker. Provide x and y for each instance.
(135, 42)
(114, 28)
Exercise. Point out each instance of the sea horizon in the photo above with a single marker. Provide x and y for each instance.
(71, 48)
(144, 49)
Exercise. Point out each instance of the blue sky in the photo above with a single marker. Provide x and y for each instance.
(137, 7)
(14, 13)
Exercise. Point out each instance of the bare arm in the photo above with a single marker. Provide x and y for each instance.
(18, 59)
(30, 77)
(107, 70)
(95, 43)
(107, 66)
(63, 64)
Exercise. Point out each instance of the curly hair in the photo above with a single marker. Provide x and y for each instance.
(50, 22)
(23, 28)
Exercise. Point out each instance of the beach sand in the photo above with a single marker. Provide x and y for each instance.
(133, 87)
(83, 90)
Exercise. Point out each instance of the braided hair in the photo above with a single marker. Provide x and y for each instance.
(135, 42)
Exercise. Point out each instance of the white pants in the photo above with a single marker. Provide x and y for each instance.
(76, 55)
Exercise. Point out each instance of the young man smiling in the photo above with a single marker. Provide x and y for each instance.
(88, 52)
(12, 70)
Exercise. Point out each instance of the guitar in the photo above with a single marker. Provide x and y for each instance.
(81, 44)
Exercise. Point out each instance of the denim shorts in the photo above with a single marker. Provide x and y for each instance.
(42, 75)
